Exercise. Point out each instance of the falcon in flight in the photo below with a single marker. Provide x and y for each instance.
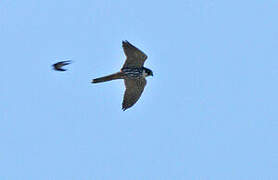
(58, 66)
(133, 72)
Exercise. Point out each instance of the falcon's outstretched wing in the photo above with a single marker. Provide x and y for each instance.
(134, 89)
(134, 56)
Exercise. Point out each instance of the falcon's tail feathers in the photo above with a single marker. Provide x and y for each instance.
(114, 76)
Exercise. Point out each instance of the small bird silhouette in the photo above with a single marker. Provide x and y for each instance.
(58, 66)
(133, 72)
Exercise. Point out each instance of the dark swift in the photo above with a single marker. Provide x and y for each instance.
(59, 65)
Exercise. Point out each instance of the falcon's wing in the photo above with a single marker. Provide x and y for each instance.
(134, 56)
(134, 89)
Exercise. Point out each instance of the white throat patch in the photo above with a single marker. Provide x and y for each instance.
(144, 73)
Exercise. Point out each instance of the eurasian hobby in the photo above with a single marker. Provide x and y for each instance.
(133, 72)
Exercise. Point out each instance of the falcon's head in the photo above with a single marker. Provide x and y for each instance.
(147, 72)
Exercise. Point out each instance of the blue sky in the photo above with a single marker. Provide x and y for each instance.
(209, 112)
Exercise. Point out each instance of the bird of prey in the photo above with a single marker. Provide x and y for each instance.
(133, 72)
(58, 66)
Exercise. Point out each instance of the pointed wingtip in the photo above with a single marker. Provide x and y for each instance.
(68, 62)
(59, 69)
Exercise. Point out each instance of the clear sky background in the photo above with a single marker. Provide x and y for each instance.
(209, 112)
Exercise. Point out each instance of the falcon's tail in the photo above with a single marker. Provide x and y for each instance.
(114, 76)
